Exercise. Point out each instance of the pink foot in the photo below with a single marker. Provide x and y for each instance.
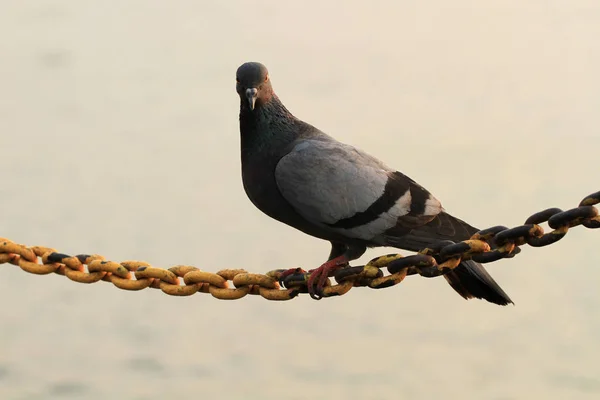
(289, 272)
(321, 274)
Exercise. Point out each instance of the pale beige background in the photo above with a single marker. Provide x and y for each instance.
(119, 136)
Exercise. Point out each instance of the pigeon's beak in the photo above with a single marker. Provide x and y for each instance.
(251, 95)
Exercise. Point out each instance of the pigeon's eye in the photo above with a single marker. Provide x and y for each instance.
(266, 78)
(237, 80)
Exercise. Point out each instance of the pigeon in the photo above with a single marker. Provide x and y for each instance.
(302, 177)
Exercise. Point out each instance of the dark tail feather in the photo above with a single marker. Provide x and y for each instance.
(470, 280)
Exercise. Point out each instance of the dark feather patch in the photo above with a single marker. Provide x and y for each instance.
(419, 197)
(469, 279)
(395, 187)
(441, 227)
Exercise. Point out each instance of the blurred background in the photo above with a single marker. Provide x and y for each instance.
(119, 135)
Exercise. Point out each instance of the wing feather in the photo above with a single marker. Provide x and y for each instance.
(345, 190)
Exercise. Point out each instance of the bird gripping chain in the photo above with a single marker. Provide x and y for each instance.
(485, 246)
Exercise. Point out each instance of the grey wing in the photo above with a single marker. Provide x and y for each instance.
(343, 189)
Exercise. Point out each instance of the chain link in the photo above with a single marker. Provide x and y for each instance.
(485, 246)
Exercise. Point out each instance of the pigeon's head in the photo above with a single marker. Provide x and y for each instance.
(253, 85)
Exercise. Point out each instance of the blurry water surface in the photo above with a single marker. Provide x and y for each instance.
(119, 135)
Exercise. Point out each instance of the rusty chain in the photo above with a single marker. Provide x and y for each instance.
(485, 246)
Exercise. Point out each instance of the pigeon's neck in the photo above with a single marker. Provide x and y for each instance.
(266, 129)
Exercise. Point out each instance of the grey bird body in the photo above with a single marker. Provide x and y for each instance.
(304, 178)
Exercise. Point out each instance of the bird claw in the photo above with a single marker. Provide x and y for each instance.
(287, 273)
(317, 281)
(315, 293)
(319, 277)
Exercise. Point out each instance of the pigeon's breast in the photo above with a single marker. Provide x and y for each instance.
(262, 190)
(260, 187)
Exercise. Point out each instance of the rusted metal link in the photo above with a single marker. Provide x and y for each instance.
(485, 246)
